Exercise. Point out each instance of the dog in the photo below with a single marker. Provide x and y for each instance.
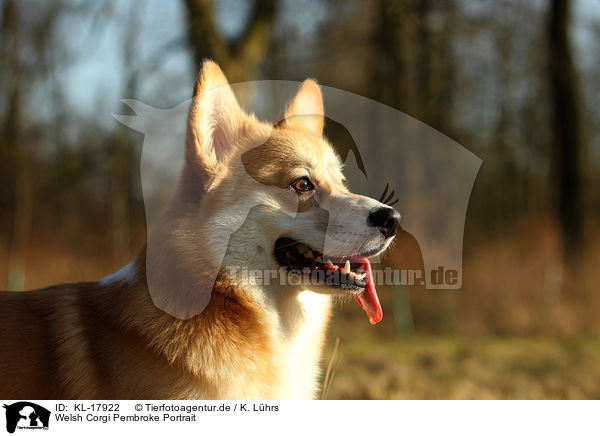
(112, 339)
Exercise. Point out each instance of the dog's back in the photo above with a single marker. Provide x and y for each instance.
(72, 341)
(24, 344)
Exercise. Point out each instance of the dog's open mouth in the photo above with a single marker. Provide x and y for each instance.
(352, 274)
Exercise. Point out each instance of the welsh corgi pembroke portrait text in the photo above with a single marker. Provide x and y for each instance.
(252, 340)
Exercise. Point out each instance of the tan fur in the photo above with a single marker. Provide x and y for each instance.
(82, 341)
(107, 339)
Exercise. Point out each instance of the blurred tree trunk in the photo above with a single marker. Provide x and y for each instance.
(387, 66)
(386, 71)
(443, 109)
(27, 58)
(568, 140)
(238, 57)
(121, 153)
(13, 150)
(424, 61)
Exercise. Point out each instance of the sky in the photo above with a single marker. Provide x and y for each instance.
(97, 79)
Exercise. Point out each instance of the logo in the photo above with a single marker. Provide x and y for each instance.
(26, 415)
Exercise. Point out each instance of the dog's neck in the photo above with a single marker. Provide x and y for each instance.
(282, 306)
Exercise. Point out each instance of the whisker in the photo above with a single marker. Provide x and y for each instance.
(288, 245)
(390, 196)
(387, 198)
(327, 381)
(387, 185)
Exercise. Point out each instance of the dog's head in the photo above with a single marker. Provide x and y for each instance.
(276, 195)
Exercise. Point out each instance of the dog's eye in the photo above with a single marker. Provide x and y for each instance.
(303, 184)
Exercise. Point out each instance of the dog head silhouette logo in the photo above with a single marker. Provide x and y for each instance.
(26, 415)
(428, 176)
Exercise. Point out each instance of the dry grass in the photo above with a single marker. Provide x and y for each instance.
(426, 367)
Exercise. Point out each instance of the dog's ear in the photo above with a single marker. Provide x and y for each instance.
(213, 121)
(305, 109)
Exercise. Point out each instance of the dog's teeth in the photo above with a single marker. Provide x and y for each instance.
(346, 269)
(309, 254)
(361, 276)
(329, 262)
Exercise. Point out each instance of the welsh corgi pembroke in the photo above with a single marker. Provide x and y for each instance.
(110, 339)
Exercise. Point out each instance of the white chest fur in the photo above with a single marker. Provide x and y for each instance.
(297, 338)
(299, 355)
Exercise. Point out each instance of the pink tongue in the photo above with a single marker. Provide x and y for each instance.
(368, 298)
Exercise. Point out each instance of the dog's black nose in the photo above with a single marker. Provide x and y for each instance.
(385, 219)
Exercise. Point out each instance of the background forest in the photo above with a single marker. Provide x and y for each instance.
(514, 81)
